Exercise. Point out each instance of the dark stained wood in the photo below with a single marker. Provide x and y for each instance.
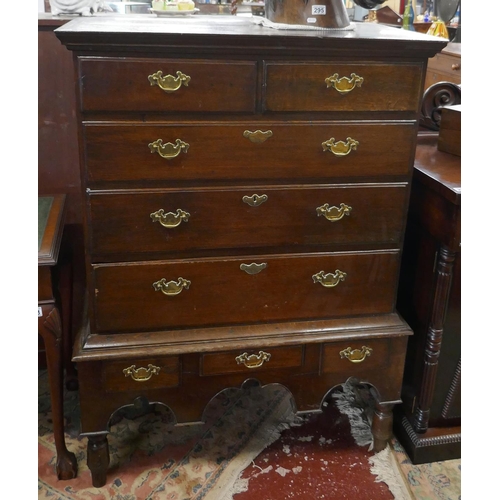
(220, 292)
(259, 79)
(236, 35)
(302, 87)
(220, 363)
(429, 299)
(293, 152)
(50, 329)
(303, 382)
(289, 217)
(166, 375)
(122, 85)
(445, 66)
(58, 157)
(450, 137)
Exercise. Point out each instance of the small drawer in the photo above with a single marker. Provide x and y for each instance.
(138, 374)
(446, 65)
(205, 152)
(342, 87)
(355, 356)
(251, 360)
(234, 290)
(131, 225)
(167, 85)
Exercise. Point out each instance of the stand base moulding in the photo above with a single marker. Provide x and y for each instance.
(246, 192)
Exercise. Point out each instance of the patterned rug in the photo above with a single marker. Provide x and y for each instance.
(150, 459)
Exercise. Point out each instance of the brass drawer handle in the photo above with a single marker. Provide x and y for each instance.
(169, 83)
(141, 374)
(455, 67)
(345, 84)
(258, 136)
(171, 287)
(255, 200)
(253, 268)
(356, 355)
(253, 360)
(170, 219)
(333, 213)
(329, 280)
(340, 148)
(168, 150)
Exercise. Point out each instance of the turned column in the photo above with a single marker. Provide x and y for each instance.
(434, 338)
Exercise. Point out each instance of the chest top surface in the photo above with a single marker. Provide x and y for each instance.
(109, 32)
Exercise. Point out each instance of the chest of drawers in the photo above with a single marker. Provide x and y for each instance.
(245, 196)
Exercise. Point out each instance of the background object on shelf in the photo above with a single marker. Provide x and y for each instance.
(317, 13)
(386, 15)
(126, 7)
(438, 28)
(446, 9)
(408, 16)
(81, 7)
(369, 4)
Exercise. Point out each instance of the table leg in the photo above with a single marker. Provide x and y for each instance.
(382, 425)
(64, 278)
(98, 458)
(49, 327)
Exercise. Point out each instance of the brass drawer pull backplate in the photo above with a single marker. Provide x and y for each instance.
(253, 360)
(170, 219)
(171, 287)
(356, 355)
(255, 200)
(329, 280)
(258, 136)
(141, 374)
(333, 213)
(253, 268)
(340, 148)
(169, 83)
(168, 150)
(345, 84)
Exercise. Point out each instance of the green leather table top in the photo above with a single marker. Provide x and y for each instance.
(44, 204)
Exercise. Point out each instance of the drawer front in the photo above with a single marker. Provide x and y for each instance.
(349, 355)
(204, 292)
(226, 152)
(357, 87)
(141, 374)
(109, 84)
(130, 224)
(446, 65)
(251, 360)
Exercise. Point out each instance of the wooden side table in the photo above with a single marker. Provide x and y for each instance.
(50, 229)
(428, 424)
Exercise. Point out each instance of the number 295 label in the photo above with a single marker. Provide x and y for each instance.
(319, 10)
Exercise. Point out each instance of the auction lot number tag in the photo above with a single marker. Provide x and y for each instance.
(319, 10)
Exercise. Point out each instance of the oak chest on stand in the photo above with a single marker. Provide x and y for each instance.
(246, 192)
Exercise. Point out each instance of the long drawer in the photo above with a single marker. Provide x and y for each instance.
(203, 292)
(342, 87)
(129, 224)
(167, 85)
(243, 151)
